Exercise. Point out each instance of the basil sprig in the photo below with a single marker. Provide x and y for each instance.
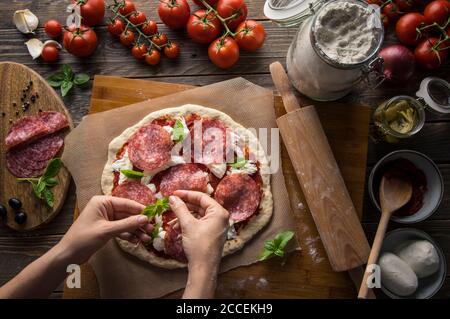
(178, 134)
(155, 231)
(157, 208)
(66, 79)
(277, 245)
(42, 186)
(240, 163)
(129, 173)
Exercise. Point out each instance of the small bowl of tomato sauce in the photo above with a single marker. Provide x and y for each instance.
(424, 176)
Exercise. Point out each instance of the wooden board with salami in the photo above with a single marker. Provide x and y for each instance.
(34, 122)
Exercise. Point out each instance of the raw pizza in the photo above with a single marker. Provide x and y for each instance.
(191, 148)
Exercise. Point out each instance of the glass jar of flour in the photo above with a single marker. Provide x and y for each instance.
(335, 47)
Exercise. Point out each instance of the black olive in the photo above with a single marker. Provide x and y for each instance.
(3, 211)
(20, 218)
(15, 203)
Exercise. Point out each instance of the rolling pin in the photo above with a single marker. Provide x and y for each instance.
(321, 181)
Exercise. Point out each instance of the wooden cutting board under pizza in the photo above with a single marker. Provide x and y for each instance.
(34, 122)
(190, 147)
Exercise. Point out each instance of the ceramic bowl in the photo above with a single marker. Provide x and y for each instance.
(428, 286)
(435, 184)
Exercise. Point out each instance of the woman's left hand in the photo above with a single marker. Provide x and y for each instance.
(103, 218)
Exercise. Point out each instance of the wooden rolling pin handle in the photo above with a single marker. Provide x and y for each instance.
(283, 86)
(374, 253)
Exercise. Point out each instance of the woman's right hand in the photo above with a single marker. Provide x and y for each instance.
(203, 238)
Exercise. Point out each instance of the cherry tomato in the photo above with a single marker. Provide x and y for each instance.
(405, 5)
(160, 39)
(172, 50)
(150, 27)
(250, 35)
(53, 28)
(127, 38)
(391, 11)
(428, 55)
(437, 11)
(139, 51)
(228, 8)
(174, 13)
(116, 27)
(407, 28)
(210, 2)
(137, 17)
(224, 53)
(50, 53)
(153, 57)
(385, 21)
(81, 41)
(92, 11)
(127, 7)
(203, 28)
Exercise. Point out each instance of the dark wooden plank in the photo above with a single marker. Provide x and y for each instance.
(433, 140)
(55, 9)
(112, 58)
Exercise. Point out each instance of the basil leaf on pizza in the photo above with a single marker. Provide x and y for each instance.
(153, 145)
(157, 208)
(178, 134)
(129, 173)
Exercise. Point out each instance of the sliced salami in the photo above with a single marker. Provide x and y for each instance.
(173, 242)
(26, 129)
(213, 146)
(239, 194)
(149, 148)
(183, 176)
(54, 121)
(30, 160)
(30, 128)
(134, 191)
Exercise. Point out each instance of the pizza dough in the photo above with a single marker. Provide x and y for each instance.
(397, 276)
(172, 171)
(421, 256)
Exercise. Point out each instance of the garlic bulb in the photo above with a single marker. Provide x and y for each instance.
(35, 46)
(25, 21)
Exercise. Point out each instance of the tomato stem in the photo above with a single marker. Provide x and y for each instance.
(115, 9)
(222, 20)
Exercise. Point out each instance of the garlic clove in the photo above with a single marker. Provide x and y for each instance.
(35, 47)
(53, 42)
(25, 21)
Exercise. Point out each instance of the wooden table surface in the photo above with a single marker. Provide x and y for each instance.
(193, 67)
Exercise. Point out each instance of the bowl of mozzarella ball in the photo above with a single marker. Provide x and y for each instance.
(412, 265)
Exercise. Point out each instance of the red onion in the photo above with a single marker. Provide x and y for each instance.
(398, 63)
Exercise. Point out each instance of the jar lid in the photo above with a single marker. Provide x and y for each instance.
(290, 12)
(436, 94)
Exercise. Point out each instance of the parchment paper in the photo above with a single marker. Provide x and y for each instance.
(121, 275)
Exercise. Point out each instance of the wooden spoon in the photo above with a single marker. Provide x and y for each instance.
(394, 194)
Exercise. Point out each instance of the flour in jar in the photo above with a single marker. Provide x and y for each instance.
(346, 32)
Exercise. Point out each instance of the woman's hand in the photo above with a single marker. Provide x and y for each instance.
(103, 218)
(203, 239)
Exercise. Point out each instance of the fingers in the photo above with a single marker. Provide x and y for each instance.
(129, 224)
(125, 206)
(196, 209)
(129, 237)
(196, 198)
(180, 209)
